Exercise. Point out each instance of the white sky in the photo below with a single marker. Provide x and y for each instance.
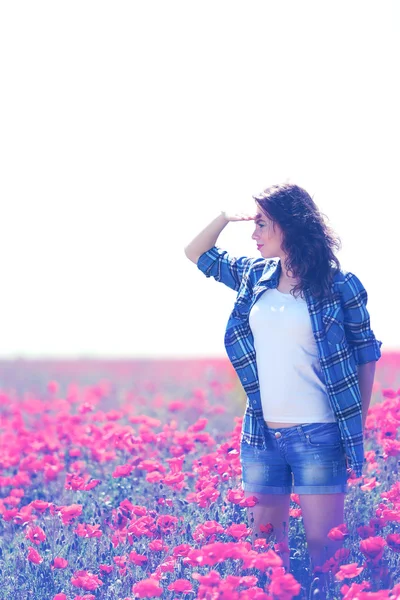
(127, 126)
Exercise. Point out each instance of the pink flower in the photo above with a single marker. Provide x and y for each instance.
(348, 571)
(60, 563)
(238, 530)
(147, 588)
(86, 580)
(393, 541)
(338, 533)
(40, 506)
(182, 550)
(34, 556)
(284, 586)
(181, 585)
(68, 513)
(106, 568)
(373, 547)
(137, 559)
(35, 534)
(122, 471)
(204, 530)
(167, 523)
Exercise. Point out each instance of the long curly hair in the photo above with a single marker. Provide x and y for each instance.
(308, 240)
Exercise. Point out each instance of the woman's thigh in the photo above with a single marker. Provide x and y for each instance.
(265, 471)
(317, 458)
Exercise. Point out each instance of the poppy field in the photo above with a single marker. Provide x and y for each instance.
(122, 480)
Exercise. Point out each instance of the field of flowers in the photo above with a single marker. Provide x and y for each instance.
(122, 480)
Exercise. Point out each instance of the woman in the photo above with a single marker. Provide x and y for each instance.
(300, 341)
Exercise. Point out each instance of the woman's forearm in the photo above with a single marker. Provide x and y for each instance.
(206, 239)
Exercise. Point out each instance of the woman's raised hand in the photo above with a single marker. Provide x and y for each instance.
(231, 215)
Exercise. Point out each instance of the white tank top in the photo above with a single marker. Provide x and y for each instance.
(292, 387)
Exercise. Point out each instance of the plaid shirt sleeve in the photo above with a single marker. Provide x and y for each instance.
(360, 337)
(227, 269)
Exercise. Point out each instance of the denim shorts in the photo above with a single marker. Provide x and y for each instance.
(303, 459)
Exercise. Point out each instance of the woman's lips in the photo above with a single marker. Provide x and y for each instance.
(259, 246)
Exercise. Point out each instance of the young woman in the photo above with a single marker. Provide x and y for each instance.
(299, 338)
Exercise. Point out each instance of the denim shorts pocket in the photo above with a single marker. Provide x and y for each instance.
(327, 436)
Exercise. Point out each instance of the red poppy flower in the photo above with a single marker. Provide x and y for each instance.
(282, 548)
(268, 528)
(142, 526)
(69, 513)
(34, 556)
(168, 566)
(147, 588)
(266, 560)
(158, 546)
(176, 463)
(369, 484)
(338, 533)
(284, 586)
(35, 534)
(139, 511)
(39, 505)
(353, 591)
(373, 547)
(154, 477)
(91, 485)
(181, 585)
(106, 568)
(348, 571)
(86, 580)
(137, 559)
(393, 541)
(120, 561)
(212, 578)
(206, 529)
(390, 514)
(238, 530)
(365, 531)
(261, 543)
(122, 471)
(211, 554)
(59, 563)
(167, 523)
(249, 501)
(206, 496)
(182, 550)
(235, 496)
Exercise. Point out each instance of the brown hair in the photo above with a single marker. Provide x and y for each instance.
(308, 240)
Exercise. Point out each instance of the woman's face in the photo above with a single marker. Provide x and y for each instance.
(267, 235)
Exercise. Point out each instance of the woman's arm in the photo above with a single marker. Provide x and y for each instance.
(216, 262)
(206, 239)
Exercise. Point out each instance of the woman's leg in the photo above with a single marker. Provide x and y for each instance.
(321, 512)
(274, 509)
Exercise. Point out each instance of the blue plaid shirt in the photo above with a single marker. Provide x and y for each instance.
(341, 328)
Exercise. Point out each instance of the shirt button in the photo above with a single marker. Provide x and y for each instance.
(244, 378)
(254, 403)
(278, 434)
(233, 356)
